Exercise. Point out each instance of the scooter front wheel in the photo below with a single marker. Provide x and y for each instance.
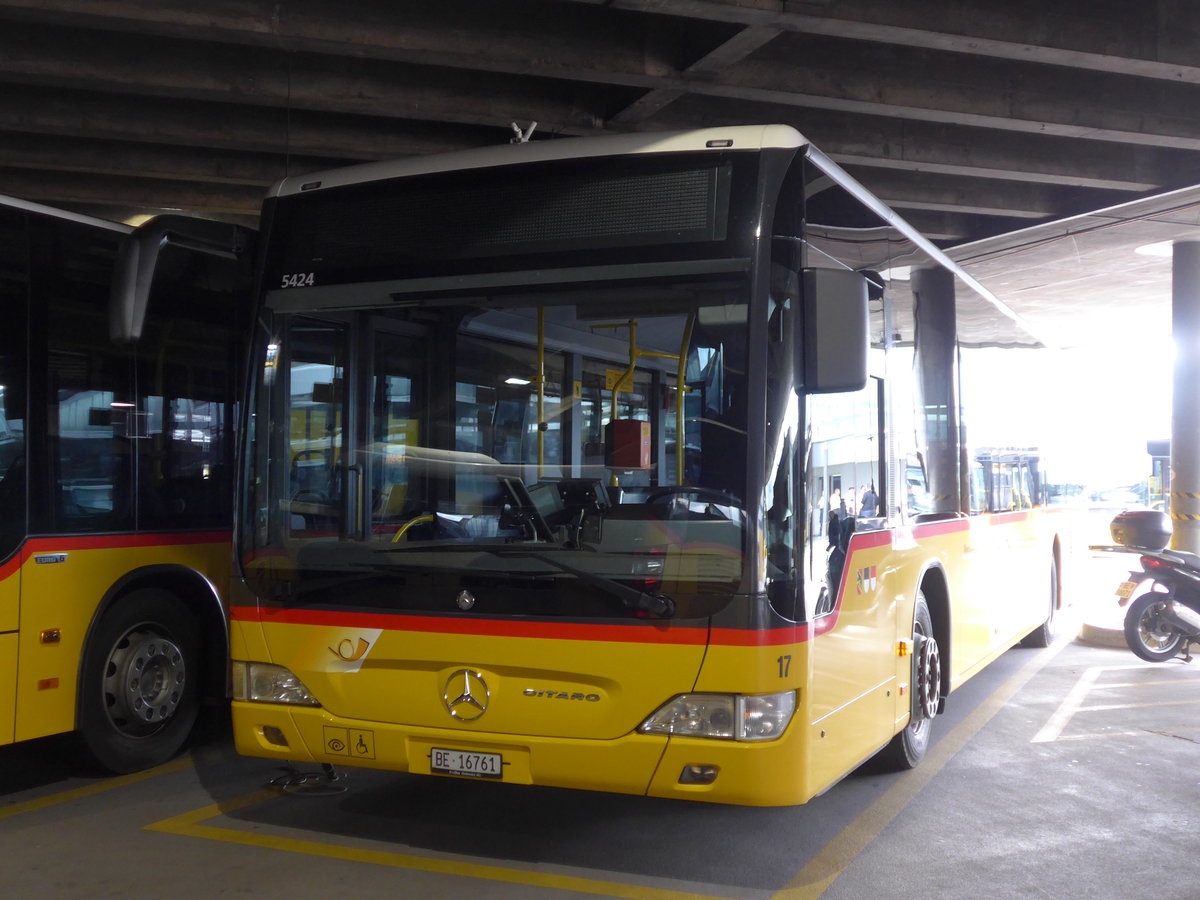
(1147, 632)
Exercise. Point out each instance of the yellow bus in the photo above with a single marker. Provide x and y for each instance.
(630, 463)
(116, 482)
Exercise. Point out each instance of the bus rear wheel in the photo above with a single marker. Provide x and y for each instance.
(907, 748)
(138, 693)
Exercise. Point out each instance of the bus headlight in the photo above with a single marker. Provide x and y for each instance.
(762, 717)
(265, 683)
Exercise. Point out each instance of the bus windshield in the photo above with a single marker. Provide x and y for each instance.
(513, 452)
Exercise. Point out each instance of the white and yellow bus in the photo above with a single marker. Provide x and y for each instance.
(117, 419)
(631, 463)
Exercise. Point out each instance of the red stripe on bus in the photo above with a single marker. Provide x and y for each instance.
(574, 631)
(640, 633)
(68, 543)
(760, 637)
(578, 631)
(865, 540)
(64, 543)
(933, 529)
(643, 634)
(1005, 518)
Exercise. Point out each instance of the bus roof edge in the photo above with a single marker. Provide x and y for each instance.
(736, 137)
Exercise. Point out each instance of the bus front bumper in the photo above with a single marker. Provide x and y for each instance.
(753, 774)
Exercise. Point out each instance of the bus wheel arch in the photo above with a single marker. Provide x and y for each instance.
(147, 660)
(936, 591)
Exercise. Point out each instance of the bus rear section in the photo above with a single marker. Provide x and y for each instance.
(116, 480)
(563, 467)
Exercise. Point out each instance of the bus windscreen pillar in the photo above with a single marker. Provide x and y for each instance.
(1184, 498)
(936, 363)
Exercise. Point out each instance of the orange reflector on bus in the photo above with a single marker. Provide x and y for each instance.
(47, 684)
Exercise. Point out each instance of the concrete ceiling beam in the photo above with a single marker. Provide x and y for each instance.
(294, 135)
(71, 189)
(1082, 35)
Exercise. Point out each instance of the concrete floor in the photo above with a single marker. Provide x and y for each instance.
(1067, 772)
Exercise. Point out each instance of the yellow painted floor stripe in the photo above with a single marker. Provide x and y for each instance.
(189, 824)
(833, 859)
(90, 790)
(809, 883)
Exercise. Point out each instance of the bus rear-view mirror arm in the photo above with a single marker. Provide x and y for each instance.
(138, 261)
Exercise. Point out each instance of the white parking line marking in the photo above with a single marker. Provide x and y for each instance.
(1072, 704)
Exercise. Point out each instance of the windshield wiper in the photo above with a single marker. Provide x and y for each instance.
(654, 604)
(658, 605)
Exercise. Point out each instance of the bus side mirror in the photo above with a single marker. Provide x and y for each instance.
(138, 262)
(835, 330)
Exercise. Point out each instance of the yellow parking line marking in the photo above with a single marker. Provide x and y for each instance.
(98, 787)
(189, 825)
(833, 859)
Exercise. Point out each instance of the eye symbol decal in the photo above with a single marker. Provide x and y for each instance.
(349, 651)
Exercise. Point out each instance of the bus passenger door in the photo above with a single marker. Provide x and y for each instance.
(848, 599)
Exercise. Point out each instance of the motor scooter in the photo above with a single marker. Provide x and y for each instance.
(1163, 622)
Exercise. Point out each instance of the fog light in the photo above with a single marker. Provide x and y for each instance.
(698, 774)
(273, 735)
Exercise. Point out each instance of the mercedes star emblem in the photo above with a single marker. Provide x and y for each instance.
(465, 600)
(466, 695)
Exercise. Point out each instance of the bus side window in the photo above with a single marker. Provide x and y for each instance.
(14, 281)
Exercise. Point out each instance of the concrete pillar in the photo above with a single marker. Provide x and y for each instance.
(937, 383)
(1185, 402)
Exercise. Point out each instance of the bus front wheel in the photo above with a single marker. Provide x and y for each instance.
(1043, 635)
(138, 691)
(908, 747)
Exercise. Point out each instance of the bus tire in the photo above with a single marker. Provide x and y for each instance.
(1043, 635)
(138, 694)
(907, 748)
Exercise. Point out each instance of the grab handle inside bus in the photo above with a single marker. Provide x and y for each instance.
(138, 261)
(834, 329)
